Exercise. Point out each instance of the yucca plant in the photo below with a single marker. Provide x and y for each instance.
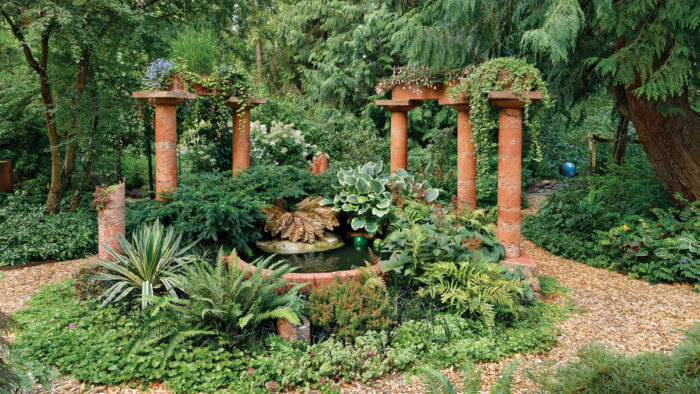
(146, 264)
(223, 301)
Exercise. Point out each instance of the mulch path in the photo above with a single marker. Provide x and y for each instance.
(622, 313)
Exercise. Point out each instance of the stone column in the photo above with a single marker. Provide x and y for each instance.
(466, 157)
(111, 222)
(166, 147)
(241, 139)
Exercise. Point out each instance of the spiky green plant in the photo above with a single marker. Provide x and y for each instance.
(223, 301)
(9, 380)
(147, 263)
(198, 47)
(434, 382)
(474, 286)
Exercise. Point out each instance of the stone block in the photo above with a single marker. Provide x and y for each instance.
(291, 333)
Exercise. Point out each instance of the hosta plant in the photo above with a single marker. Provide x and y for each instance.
(306, 222)
(224, 301)
(366, 195)
(145, 265)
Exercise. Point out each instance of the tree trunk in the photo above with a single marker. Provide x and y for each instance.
(671, 142)
(258, 49)
(621, 138)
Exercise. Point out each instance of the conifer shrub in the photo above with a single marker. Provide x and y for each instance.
(349, 309)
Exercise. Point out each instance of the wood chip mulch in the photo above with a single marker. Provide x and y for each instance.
(624, 314)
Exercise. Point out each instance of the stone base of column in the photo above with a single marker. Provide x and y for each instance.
(527, 265)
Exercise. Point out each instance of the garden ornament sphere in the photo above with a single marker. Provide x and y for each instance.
(360, 240)
(377, 244)
(568, 170)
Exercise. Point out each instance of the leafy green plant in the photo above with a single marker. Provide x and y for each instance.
(435, 382)
(85, 285)
(598, 369)
(422, 235)
(363, 195)
(146, 264)
(28, 233)
(566, 224)
(91, 344)
(224, 301)
(220, 210)
(367, 196)
(472, 287)
(662, 249)
(198, 48)
(349, 308)
(15, 369)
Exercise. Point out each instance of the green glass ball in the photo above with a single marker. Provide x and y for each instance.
(377, 245)
(360, 240)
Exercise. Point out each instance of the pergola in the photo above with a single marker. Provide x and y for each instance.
(166, 133)
(407, 97)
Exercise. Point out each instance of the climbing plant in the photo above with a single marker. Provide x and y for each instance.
(505, 73)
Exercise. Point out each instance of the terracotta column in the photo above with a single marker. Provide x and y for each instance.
(166, 147)
(241, 139)
(320, 164)
(111, 222)
(399, 140)
(466, 158)
(509, 177)
(510, 140)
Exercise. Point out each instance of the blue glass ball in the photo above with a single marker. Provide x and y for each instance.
(568, 170)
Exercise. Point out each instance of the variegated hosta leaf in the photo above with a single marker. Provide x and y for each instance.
(305, 224)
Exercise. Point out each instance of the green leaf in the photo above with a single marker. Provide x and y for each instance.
(363, 186)
(357, 223)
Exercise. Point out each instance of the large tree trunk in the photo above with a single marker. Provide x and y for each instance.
(671, 142)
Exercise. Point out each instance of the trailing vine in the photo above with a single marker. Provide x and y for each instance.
(500, 74)
(419, 77)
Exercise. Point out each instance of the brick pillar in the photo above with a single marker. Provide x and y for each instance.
(399, 139)
(241, 140)
(166, 147)
(510, 130)
(111, 222)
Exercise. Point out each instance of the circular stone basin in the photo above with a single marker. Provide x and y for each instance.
(317, 268)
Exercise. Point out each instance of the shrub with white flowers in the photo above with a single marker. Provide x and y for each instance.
(280, 144)
(195, 150)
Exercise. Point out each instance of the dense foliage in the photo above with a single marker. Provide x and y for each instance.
(598, 369)
(145, 266)
(349, 309)
(567, 223)
(91, 344)
(222, 210)
(226, 302)
(28, 233)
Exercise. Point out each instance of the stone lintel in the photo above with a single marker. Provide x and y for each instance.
(403, 105)
(165, 97)
(508, 99)
(251, 103)
(459, 104)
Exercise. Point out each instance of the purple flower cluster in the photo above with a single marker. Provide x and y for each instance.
(156, 72)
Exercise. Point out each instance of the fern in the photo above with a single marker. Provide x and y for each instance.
(222, 301)
(472, 287)
(434, 382)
